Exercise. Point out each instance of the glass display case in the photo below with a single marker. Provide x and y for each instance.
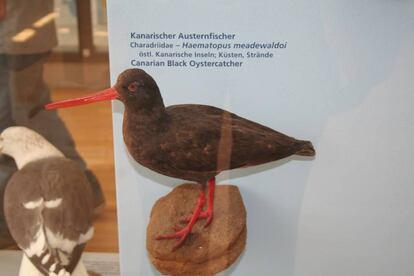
(51, 50)
(225, 138)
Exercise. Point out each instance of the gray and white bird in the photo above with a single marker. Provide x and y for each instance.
(48, 205)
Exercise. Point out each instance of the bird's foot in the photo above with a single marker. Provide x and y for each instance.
(208, 214)
(182, 234)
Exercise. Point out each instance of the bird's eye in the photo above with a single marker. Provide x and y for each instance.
(133, 87)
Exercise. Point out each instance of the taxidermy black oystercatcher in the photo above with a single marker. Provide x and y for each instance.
(189, 141)
(48, 205)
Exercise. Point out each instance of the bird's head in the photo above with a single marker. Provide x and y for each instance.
(134, 87)
(25, 145)
(13, 139)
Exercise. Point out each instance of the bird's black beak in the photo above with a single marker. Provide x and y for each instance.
(104, 95)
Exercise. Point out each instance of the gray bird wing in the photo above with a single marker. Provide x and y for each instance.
(48, 208)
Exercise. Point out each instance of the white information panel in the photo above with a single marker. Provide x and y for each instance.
(338, 73)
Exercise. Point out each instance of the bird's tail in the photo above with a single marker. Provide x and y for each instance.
(80, 270)
(305, 148)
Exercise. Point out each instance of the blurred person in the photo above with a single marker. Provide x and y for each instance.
(25, 45)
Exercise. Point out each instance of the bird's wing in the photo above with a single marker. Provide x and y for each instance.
(190, 143)
(48, 208)
(207, 138)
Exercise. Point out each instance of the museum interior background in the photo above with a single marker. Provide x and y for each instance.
(77, 66)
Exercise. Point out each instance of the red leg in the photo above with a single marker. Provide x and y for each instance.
(182, 234)
(208, 214)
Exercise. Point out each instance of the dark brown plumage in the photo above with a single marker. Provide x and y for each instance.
(192, 142)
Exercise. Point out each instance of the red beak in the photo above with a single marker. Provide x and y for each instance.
(105, 95)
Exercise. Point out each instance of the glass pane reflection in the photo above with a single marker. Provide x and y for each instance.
(67, 26)
(99, 25)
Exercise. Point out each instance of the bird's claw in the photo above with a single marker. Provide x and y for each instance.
(209, 216)
(203, 215)
(181, 235)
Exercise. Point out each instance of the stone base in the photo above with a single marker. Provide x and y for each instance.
(206, 251)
